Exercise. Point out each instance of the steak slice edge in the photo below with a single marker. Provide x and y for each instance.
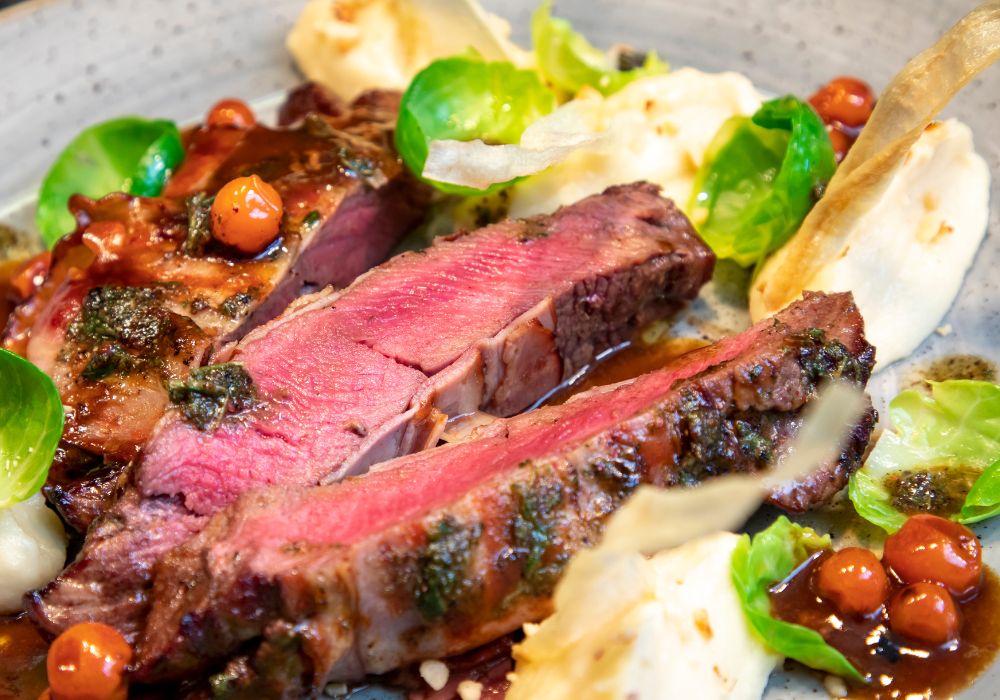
(437, 552)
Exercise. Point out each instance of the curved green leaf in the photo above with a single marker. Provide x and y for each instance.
(465, 98)
(759, 179)
(567, 60)
(31, 423)
(873, 502)
(768, 559)
(983, 501)
(129, 154)
(957, 427)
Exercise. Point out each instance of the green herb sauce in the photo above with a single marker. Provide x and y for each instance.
(213, 392)
(820, 358)
(619, 473)
(199, 212)
(533, 529)
(940, 491)
(442, 576)
(109, 359)
(133, 316)
(237, 304)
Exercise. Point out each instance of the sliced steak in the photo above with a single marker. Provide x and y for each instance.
(438, 552)
(489, 320)
(139, 294)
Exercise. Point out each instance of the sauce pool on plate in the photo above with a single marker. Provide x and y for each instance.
(898, 668)
(627, 362)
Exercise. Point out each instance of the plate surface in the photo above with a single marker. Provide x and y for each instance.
(68, 63)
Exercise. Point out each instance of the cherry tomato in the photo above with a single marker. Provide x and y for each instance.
(87, 662)
(246, 214)
(853, 580)
(929, 548)
(846, 100)
(841, 142)
(925, 612)
(231, 113)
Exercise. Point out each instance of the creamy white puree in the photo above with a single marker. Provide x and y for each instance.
(32, 550)
(647, 629)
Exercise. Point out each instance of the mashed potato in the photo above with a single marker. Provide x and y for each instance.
(659, 128)
(32, 550)
(353, 45)
(637, 628)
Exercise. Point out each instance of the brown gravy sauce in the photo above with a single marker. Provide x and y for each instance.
(627, 361)
(22, 660)
(897, 669)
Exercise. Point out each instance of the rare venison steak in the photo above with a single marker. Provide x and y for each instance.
(437, 552)
(488, 320)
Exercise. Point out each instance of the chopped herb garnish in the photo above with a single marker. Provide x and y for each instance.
(199, 304)
(442, 566)
(356, 165)
(534, 528)
(131, 315)
(110, 358)
(213, 392)
(236, 305)
(717, 442)
(940, 491)
(199, 210)
(619, 473)
(821, 358)
(311, 219)
(753, 443)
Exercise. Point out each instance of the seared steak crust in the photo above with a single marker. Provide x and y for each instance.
(81, 485)
(488, 320)
(436, 553)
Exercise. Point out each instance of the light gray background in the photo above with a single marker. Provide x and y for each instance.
(67, 63)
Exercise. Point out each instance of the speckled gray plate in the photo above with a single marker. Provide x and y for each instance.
(68, 63)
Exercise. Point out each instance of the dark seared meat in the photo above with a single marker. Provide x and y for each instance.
(436, 553)
(309, 98)
(110, 563)
(80, 485)
(138, 294)
(485, 320)
(825, 482)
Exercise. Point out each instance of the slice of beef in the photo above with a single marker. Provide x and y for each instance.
(139, 294)
(489, 320)
(438, 552)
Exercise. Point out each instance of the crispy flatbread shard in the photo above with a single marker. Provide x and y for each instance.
(904, 109)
